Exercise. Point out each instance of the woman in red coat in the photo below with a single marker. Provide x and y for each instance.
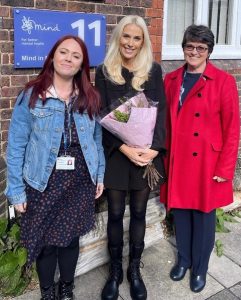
(203, 136)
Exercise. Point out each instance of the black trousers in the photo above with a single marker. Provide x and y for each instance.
(195, 237)
(66, 257)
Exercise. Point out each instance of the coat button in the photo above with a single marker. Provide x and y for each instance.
(196, 134)
(199, 95)
(197, 115)
(194, 154)
(82, 128)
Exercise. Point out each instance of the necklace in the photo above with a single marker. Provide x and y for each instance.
(65, 97)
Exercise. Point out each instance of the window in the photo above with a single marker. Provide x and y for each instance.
(222, 16)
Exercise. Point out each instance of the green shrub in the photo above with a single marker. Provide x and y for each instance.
(14, 273)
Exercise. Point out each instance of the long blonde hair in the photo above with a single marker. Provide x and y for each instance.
(143, 61)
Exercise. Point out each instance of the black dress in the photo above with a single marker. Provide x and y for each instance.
(64, 210)
(120, 172)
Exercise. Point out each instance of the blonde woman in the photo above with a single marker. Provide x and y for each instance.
(129, 68)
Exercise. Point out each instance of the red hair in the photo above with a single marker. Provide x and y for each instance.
(88, 97)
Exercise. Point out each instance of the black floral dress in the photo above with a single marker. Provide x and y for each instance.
(64, 210)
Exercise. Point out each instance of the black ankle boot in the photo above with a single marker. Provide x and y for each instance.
(111, 288)
(137, 286)
(66, 290)
(48, 293)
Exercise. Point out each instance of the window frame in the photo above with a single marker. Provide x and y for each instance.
(232, 51)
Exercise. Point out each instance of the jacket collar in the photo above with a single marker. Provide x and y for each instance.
(51, 93)
(209, 72)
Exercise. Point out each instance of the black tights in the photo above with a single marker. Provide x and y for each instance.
(66, 257)
(116, 210)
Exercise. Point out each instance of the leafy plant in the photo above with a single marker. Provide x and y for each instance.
(221, 218)
(219, 248)
(14, 273)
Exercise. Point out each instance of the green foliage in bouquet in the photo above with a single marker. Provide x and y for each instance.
(14, 275)
(121, 116)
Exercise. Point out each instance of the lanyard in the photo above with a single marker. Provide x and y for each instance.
(67, 133)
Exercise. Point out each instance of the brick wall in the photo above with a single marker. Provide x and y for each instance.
(12, 80)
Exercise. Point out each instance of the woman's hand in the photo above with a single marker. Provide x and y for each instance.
(149, 154)
(21, 207)
(99, 190)
(219, 179)
(134, 155)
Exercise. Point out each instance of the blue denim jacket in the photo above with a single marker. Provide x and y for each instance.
(34, 141)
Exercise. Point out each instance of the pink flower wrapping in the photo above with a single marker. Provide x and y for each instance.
(138, 130)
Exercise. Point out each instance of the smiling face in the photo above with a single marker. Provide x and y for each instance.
(195, 55)
(67, 59)
(131, 41)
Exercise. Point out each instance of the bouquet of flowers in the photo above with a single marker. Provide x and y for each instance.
(133, 120)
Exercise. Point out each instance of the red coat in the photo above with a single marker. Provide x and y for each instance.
(202, 141)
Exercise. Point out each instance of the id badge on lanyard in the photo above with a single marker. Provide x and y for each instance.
(66, 162)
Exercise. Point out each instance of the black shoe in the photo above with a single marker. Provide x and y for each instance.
(197, 283)
(111, 288)
(137, 287)
(66, 290)
(48, 293)
(178, 272)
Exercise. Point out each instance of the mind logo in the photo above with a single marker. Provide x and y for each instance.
(27, 24)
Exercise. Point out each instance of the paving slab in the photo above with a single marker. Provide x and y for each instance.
(224, 295)
(224, 270)
(232, 241)
(236, 290)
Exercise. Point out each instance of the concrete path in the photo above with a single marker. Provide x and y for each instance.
(223, 280)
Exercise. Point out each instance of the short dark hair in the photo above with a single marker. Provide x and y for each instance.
(199, 33)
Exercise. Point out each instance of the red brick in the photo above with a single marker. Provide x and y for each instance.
(135, 3)
(10, 91)
(11, 58)
(146, 3)
(134, 11)
(4, 35)
(53, 4)
(157, 57)
(4, 147)
(4, 12)
(4, 81)
(6, 47)
(154, 12)
(19, 80)
(5, 124)
(109, 9)
(4, 136)
(113, 2)
(12, 102)
(5, 59)
(81, 7)
(5, 103)
(111, 19)
(122, 2)
(18, 3)
(7, 23)
(5, 114)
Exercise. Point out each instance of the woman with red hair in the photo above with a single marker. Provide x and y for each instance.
(56, 163)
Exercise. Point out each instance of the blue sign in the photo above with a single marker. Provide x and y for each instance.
(36, 31)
